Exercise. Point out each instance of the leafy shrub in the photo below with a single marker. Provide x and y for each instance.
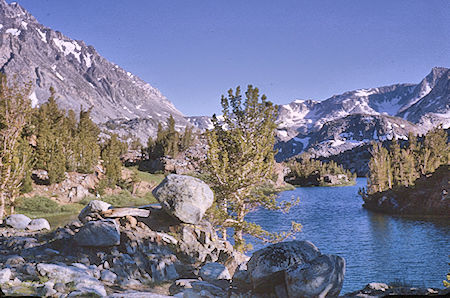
(43, 206)
(37, 204)
(124, 199)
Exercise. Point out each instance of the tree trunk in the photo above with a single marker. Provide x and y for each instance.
(224, 229)
(224, 234)
(2, 207)
(238, 234)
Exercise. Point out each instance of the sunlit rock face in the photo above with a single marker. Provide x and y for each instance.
(354, 118)
(80, 76)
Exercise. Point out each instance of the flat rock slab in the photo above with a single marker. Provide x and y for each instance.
(122, 212)
(214, 271)
(100, 233)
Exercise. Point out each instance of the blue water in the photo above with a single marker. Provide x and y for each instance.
(376, 247)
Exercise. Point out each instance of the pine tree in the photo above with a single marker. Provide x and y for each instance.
(410, 172)
(168, 141)
(50, 143)
(15, 113)
(187, 138)
(70, 140)
(111, 160)
(88, 151)
(241, 157)
(397, 163)
(160, 143)
(380, 174)
(172, 138)
(435, 150)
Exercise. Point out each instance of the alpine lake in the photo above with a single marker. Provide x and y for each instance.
(377, 247)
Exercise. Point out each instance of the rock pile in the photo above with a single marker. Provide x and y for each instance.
(22, 222)
(376, 289)
(133, 252)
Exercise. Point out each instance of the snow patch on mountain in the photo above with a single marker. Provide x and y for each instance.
(13, 31)
(80, 76)
(68, 47)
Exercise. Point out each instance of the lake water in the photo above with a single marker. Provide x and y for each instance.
(376, 247)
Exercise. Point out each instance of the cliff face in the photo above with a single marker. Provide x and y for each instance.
(80, 76)
(429, 196)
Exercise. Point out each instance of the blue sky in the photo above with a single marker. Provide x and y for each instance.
(194, 51)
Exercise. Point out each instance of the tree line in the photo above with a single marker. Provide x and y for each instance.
(168, 141)
(48, 138)
(400, 165)
(308, 170)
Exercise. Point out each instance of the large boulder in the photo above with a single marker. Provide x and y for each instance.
(277, 257)
(5, 275)
(324, 276)
(92, 210)
(100, 233)
(38, 224)
(185, 198)
(296, 269)
(18, 221)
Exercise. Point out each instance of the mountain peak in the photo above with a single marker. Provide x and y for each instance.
(14, 11)
(80, 76)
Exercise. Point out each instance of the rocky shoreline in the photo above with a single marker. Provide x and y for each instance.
(429, 196)
(150, 252)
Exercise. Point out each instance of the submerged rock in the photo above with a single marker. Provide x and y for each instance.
(100, 233)
(185, 198)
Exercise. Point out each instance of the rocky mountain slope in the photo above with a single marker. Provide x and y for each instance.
(354, 118)
(80, 76)
(346, 133)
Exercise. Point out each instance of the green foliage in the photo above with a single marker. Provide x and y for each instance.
(37, 204)
(307, 171)
(136, 144)
(240, 159)
(168, 141)
(401, 166)
(48, 121)
(63, 143)
(186, 139)
(111, 153)
(147, 177)
(15, 113)
(88, 148)
(124, 199)
(43, 206)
